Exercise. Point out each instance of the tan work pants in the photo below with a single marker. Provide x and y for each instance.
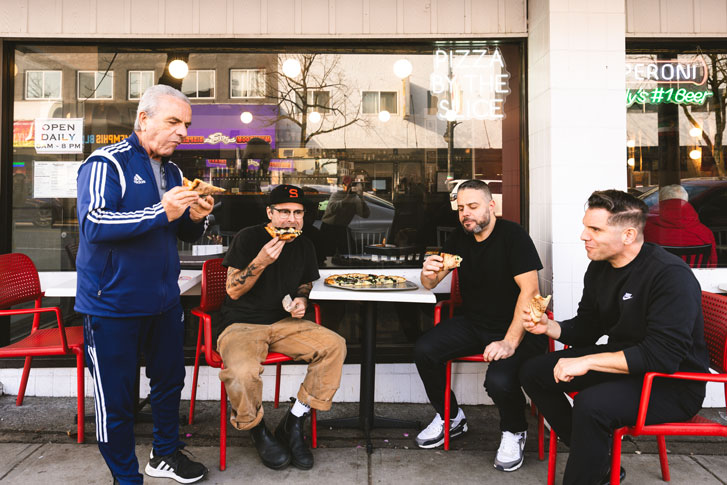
(243, 346)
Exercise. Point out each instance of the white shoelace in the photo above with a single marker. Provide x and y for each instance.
(434, 428)
(510, 444)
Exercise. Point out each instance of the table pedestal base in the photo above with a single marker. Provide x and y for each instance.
(366, 419)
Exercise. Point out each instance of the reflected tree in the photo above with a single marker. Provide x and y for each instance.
(320, 87)
(717, 84)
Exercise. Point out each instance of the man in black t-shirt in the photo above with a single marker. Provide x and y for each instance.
(258, 318)
(498, 274)
(648, 302)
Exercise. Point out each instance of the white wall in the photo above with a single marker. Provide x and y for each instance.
(169, 19)
(676, 18)
(576, 51)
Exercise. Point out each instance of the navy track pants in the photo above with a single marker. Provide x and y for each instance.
(113, 347)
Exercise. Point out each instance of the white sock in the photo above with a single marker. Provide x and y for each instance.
(299, 409)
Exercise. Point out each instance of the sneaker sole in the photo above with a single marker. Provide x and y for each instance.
(153, 472)
(511, 469)
(441, 442)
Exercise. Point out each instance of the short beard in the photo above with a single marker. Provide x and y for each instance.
(479, 227)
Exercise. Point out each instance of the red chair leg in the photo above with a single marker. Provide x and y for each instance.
(663, 459)
(616, 457)
(23, 381)
(277, 385)
(80, 395)
(447, 403)
(313, 429)
(552, 456)
(223, 427)
(541, 436)
(196, 371)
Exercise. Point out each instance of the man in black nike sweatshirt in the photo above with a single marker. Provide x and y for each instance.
(648, 302)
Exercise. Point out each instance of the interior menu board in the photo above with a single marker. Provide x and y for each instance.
(55, 179)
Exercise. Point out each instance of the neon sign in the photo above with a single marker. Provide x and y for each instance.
(469, 84)
(667, 72)
(662, 95)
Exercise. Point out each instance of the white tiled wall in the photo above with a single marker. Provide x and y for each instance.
(577, 130)
(171, 19)
(394, 383)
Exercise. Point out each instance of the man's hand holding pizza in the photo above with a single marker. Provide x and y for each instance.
(176, 200)
(432, 266)
(270, 252)
(202, 208)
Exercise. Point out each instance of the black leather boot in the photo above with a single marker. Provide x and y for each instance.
(290, 433)
(272, 453)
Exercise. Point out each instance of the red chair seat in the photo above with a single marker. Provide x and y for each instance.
(45, 341)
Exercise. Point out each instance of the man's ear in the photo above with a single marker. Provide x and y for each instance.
(142, 120)
(629, 235)
(269, 212)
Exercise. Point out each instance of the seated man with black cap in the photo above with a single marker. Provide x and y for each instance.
(263, 270)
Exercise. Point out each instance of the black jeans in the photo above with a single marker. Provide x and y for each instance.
(460, 337)
(604, 402)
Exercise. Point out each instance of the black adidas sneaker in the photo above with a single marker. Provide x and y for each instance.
(175, 466)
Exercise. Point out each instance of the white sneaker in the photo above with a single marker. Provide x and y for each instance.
(510, 454)
(433, 435)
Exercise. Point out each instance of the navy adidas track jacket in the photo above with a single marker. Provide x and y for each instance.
(127, 260)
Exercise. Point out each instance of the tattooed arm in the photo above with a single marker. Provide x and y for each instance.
(239, 281)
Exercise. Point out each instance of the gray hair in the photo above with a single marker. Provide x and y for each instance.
(673, 192)
(150, 101)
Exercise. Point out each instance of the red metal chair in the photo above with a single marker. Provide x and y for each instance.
(19, 283)
(455, 300)
(714, 307)
(214, 278)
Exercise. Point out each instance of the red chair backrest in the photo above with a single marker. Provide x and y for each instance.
(18, 280)
(714, 308)
(214, 281)
(454, 294)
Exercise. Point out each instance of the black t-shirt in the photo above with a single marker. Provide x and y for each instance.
(263, 304)
(489, 292)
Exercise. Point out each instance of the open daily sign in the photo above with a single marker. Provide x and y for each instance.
(59, 135)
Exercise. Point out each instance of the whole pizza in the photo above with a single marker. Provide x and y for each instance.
(363, 280)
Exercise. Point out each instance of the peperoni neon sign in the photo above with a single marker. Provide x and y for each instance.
(469, 84)
(667, 72)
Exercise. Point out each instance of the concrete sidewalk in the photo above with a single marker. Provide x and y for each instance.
(37, 446)
(52, 463)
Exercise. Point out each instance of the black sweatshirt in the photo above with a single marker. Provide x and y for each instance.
(650, 308)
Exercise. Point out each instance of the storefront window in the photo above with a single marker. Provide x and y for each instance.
(375, 147)
(675, 104)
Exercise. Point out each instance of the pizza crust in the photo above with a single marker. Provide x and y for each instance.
(201, 187)
(538, 306)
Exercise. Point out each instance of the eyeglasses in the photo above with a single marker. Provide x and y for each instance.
(286, 212)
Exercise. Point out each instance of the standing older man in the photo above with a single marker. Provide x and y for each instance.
(498, 275)
(265, 267)
(647, 302)
(131, 210)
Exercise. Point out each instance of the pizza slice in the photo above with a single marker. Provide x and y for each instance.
(450, 261)
(283, 233)
(201, 187)
(538, 306)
